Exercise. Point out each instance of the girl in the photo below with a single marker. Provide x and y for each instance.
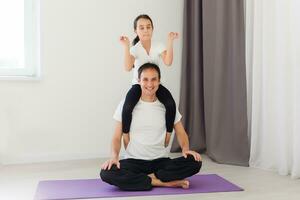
(143, 51)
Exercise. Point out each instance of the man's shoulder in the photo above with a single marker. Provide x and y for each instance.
(122, 101)
(118, 112)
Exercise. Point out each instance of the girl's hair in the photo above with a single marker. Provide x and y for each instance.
(143, 16)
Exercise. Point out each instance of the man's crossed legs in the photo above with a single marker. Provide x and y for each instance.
(137, 175)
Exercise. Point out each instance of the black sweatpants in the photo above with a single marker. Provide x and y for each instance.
(132, 98)
(133, 173)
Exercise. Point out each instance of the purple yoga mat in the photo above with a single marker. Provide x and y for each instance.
(95, 188)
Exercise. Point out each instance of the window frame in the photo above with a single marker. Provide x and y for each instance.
(32, 65)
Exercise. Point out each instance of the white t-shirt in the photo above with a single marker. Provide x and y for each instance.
(147, 130)
(141, 56)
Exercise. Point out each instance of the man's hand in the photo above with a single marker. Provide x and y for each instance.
(108, 164)
(196, 155)
(125, 41)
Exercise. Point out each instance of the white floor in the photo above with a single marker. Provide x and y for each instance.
(19, 182)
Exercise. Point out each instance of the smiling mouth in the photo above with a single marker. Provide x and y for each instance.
(149, 89)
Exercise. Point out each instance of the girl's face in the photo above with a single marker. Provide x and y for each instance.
(144, 29)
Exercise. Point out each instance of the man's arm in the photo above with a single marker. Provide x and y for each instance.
(184, 142)
(116, 141)
(115, 148)
(182, 136)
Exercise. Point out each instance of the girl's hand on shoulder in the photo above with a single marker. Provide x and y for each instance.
(124, 41)
(173, 35)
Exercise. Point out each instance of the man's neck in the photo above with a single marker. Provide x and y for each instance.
(148, 98)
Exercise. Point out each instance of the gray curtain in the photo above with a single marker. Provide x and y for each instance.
(191, 103)
(213, 90)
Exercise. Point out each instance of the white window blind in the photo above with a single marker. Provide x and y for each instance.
(19, 38)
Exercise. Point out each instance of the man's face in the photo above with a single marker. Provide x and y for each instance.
(149, 82)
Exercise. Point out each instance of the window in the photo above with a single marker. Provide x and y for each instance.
(19, 39)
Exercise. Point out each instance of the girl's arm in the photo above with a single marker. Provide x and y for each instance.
(167, 55)
(128, 58)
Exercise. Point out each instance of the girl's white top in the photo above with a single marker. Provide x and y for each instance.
(141, 57)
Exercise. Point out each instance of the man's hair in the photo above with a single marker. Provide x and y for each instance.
(148, 66)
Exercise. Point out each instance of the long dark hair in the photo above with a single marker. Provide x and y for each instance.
(143, 16)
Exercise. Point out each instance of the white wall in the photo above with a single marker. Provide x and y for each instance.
(68, 114)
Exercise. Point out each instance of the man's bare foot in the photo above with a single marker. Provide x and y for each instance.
(180, 183)
(185, 184)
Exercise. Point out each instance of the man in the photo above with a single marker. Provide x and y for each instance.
(146, 163)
